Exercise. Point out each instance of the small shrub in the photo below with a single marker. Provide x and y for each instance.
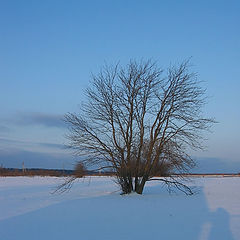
(79, 170)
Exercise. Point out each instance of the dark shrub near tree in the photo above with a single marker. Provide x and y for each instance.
(79, 170)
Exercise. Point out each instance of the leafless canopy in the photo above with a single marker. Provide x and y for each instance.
(139, 121)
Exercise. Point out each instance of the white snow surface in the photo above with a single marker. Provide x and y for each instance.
(94, 209)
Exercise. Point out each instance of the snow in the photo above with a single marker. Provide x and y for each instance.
(94, 209)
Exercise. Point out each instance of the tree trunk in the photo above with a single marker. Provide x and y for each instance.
(126, 184)
(140, 187)
(136, 182)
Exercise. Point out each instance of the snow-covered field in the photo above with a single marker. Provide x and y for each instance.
(93, 209)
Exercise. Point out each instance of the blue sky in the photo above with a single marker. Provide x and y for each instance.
(48, 50)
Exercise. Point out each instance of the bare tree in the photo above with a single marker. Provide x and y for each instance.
(139, 121)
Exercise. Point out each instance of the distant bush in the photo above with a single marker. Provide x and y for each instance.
(79, 170)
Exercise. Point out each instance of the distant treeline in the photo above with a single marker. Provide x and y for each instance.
(64, 173)
(45, 172)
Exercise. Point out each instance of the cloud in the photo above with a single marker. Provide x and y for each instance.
(24, 144)
(4, 129)
(14, 159)
(10, 141)
(44, 119)
(53, 145)
(216, 165)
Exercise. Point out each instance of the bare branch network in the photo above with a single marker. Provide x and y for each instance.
(138, 121)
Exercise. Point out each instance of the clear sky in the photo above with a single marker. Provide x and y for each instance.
(48, 50)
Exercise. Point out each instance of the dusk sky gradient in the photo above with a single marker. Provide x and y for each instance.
(48, 50)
